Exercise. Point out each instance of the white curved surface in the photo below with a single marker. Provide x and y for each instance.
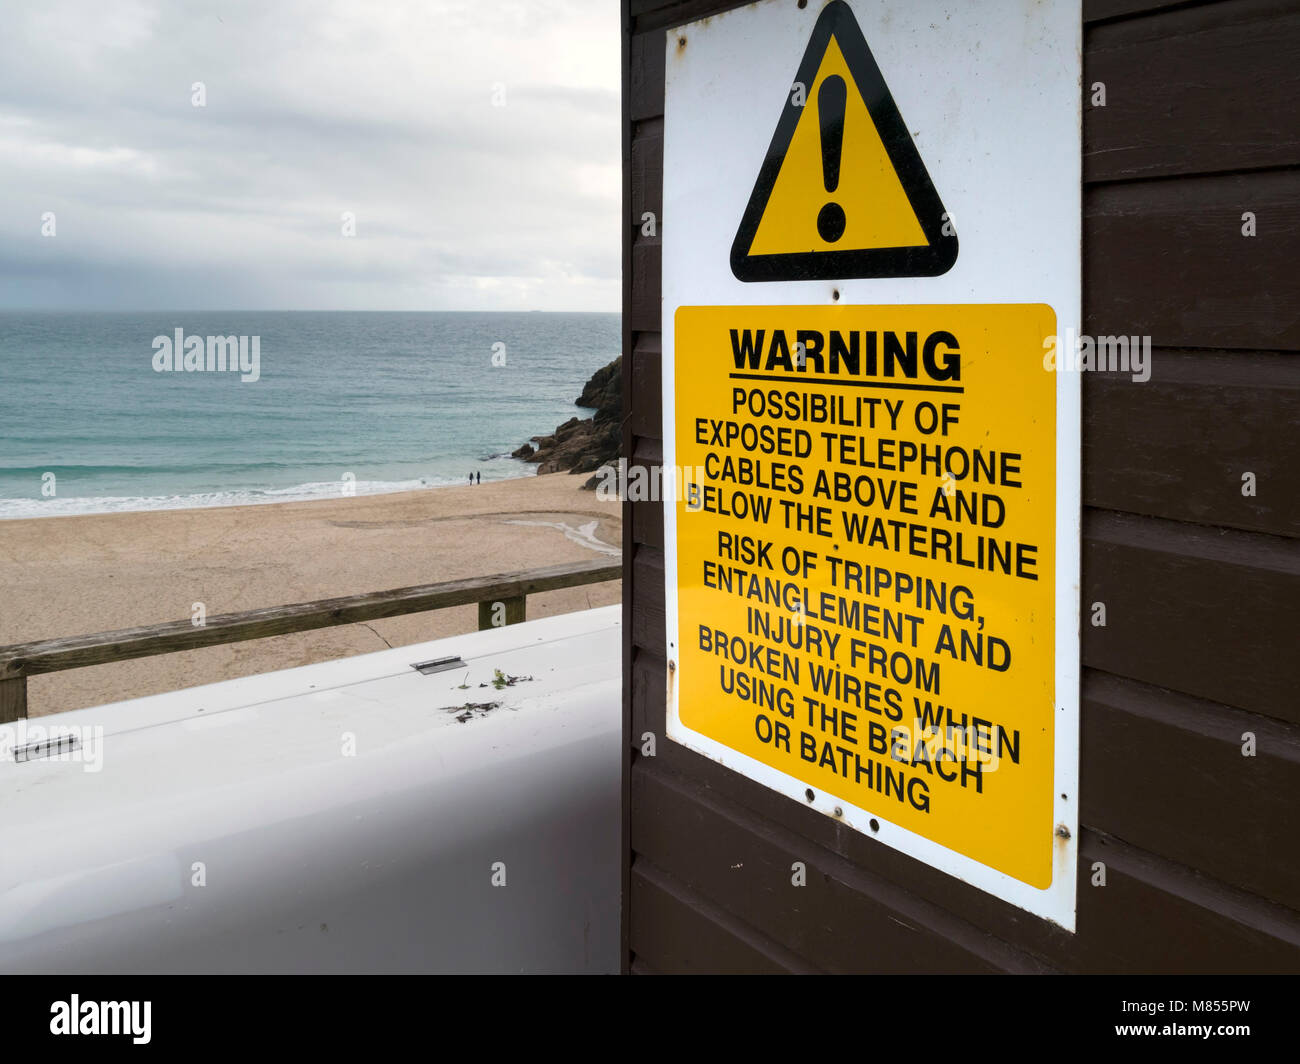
(320, 861)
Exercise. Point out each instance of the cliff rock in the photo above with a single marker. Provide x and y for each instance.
(583, 445)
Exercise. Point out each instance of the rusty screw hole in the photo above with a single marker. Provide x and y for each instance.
(803, 4)
(835, 294)
(873, 824)
(809, 794)
(681, 42)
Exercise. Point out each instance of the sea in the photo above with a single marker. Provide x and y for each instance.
(93, 420)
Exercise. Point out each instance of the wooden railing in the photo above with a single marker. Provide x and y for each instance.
(501, 600)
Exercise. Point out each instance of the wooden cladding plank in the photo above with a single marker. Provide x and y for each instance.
(1211, 613)
(647, 14)
(1177, 599)
(1167, 259)
(647, 175)
(677, 932)
(1097, 10)
(646, 186)
(645, 402)
(1148, 914)
(1169, 774)
(647, 513)
(648, 622)
(1157, 917)
(1152, 915)
(645, 77)
(649, 679)
(1177, 445)
(648, 451)
(644, 311)
(1197, 90)
(657, 14)
(1160, 770)
(649, 690)
(648, 524)
(733, 859)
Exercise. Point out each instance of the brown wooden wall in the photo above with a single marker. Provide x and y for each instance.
(1201, 584)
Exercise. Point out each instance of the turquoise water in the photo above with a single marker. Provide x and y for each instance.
(395, 401)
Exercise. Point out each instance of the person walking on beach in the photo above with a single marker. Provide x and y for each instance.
(479, 477)
(471, 478)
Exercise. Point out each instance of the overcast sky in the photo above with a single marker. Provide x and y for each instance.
(384, 108)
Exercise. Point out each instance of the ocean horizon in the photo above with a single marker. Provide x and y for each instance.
(99, 414)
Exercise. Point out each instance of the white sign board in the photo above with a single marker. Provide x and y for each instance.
(871, 242)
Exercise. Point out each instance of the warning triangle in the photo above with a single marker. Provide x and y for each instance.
(842, 191)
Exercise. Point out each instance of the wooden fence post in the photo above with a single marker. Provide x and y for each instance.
(515, 610)
(13, 699)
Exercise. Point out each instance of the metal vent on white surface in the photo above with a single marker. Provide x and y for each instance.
(426, 668)
(52, 747)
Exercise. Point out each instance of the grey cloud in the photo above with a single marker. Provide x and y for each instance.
(313, 109)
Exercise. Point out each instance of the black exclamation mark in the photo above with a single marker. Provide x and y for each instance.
(831, 99)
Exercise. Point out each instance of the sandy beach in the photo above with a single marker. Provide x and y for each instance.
(64, 576)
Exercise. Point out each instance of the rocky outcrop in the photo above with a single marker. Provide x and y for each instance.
(583, 445)
(603, 391)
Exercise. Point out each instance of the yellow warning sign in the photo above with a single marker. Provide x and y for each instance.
(843, 191)
(865, 561)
